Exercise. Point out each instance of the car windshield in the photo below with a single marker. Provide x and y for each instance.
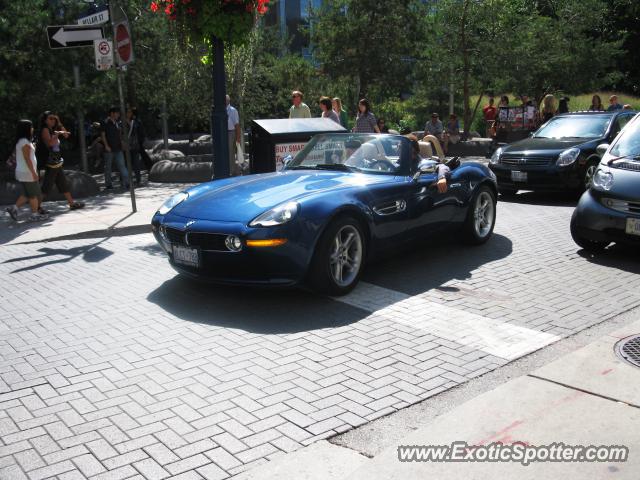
(353, 152)
(575, 126)
(628, 142)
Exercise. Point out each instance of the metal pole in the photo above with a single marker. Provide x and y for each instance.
(165, 125)
(450, 98)
(123, 113)
(80, 116)
(219, 124)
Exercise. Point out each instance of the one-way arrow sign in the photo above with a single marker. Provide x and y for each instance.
(69, 36)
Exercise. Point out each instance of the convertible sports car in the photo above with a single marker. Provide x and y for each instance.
(344, 199)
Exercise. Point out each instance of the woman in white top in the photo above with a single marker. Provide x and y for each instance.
(26, 172)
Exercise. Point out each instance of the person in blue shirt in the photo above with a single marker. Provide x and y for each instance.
(613, 104)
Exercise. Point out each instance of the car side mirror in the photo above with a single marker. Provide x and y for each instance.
(602, 148)
(287, 160)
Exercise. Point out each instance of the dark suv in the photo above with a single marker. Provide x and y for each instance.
(560, 155)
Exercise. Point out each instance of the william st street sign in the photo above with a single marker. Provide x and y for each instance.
(70, 36)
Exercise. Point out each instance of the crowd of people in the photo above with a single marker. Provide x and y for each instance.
(526, 116)
(39, 163)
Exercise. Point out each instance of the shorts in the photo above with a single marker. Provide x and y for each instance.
(31, 189)
(57, 176)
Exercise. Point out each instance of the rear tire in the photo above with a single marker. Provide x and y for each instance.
(592, 246)
(481, 216)
(339, 257)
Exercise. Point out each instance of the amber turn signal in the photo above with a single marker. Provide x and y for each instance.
(273, 242)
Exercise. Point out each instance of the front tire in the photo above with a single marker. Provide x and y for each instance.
(589, 172)
(339, 257)
(592, 246)
(481, 217)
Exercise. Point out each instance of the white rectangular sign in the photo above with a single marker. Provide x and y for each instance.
(96, 18)
(103, 49)
(284, 149)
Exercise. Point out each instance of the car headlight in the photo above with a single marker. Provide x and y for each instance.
(602, 180)
(276, 216)
(171, 202)
(495, 158)
(567, 157)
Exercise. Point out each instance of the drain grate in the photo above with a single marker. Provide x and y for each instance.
(629, 350)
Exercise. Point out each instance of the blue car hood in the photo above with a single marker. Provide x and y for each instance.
(241, 199)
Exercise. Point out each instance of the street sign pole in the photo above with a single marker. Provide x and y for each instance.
(123, 116)
(82, 139)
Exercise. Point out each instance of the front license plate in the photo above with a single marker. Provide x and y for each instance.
(518, 176)
(633, 226)
(186, 256)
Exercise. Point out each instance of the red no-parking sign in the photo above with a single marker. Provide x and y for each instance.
(123, 45)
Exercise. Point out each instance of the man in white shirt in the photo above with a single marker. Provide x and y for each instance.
(235, 136)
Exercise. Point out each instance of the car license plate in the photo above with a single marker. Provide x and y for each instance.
(633, 226)
(518, 176)
(186, 256)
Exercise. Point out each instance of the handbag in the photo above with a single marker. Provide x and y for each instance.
(11, 161)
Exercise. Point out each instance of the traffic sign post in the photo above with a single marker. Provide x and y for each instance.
(95, 17)
(104, 54)
(122, 44)
(71, 36)
(122, 40)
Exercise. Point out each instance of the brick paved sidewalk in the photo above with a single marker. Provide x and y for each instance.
(113, 367)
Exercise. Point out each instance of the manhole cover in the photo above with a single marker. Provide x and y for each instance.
(629, 350)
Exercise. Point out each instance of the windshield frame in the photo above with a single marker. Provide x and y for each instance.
(602, 115)
(632, 126)
(296, 163)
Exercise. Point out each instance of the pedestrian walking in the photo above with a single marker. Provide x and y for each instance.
(563, 105)
(112, 140)
(382, 125)
(365, 120)
(299, 109)
(134, 132)
(489, 113)
(327, 109)
(337, 107)
(235, 137)
(26, 173)
(51, 129)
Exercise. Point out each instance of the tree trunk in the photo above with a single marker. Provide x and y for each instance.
(475, 110)
(466, 71)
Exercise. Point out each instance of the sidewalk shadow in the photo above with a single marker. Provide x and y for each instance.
(154, 194)
(276, 311)
(92, 253)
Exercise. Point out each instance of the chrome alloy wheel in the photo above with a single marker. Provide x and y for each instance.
(345, 258)
(588, 175)
(483, 214)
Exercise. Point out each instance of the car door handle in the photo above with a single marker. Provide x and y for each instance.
(389, 208)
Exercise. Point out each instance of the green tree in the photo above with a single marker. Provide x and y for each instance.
(371, 43)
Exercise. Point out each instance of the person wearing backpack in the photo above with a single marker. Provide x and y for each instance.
(51, 129)
(26, 173)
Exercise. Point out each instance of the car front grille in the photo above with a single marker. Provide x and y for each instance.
(174, 235)
(206, 241)
(621, 205)
(526, 161)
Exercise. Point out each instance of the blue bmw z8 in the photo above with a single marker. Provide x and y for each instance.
(343, 199)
